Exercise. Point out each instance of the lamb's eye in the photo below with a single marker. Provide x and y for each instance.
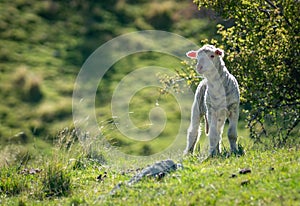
(212, 56)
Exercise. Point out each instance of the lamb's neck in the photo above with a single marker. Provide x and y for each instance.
(215, 82)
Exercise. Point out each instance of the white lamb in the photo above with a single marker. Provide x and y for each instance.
(217, 98)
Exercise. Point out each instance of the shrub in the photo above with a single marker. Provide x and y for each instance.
(262, 50)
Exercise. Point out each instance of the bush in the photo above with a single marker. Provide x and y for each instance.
(262, 50)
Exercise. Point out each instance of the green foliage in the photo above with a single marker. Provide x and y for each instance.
(263, 53)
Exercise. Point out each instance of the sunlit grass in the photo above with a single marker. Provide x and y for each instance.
(217, 180)
(46, 49)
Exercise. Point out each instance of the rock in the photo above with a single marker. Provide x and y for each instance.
(245, 182)
(157, 170)
(245, 171)
(233, 175)
(101, 177)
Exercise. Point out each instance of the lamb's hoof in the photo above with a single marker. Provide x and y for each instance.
(214, 153)
(186, 153)
(238, 152)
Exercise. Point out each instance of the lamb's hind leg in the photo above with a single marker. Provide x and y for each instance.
(194, 131)
(232, 130)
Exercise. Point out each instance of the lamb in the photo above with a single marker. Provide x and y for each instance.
(217, 98)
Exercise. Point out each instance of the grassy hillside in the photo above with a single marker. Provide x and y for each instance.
(42, 160)
(44, 44)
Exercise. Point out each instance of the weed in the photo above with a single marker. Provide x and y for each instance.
(12, 154)
(66, 138)
(11, 183)
(56, 181)
(79, 163)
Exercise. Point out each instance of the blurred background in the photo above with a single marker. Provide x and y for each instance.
(43, 45)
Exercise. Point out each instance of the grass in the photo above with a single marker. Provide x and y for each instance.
(211, 183)
(44, 51)
(70, 176)
(43, 54)
(56, 182)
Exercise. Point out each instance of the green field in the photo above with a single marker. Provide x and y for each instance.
(63, 180)
(45, 161)
(46, 43)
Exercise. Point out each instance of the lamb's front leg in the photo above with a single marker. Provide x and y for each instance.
(194, 131)
(216, 122)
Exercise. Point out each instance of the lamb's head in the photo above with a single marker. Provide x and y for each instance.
(209, 59)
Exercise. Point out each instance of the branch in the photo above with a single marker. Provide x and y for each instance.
(281, 12)
(295, 123)
(271, 4)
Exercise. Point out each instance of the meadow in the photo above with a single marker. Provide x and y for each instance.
(46, 44)
(70, 177)
(45, 160)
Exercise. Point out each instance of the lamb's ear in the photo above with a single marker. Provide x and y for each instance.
(219, 52)
(192, 54)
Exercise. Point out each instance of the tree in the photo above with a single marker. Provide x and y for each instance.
(262, 50)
